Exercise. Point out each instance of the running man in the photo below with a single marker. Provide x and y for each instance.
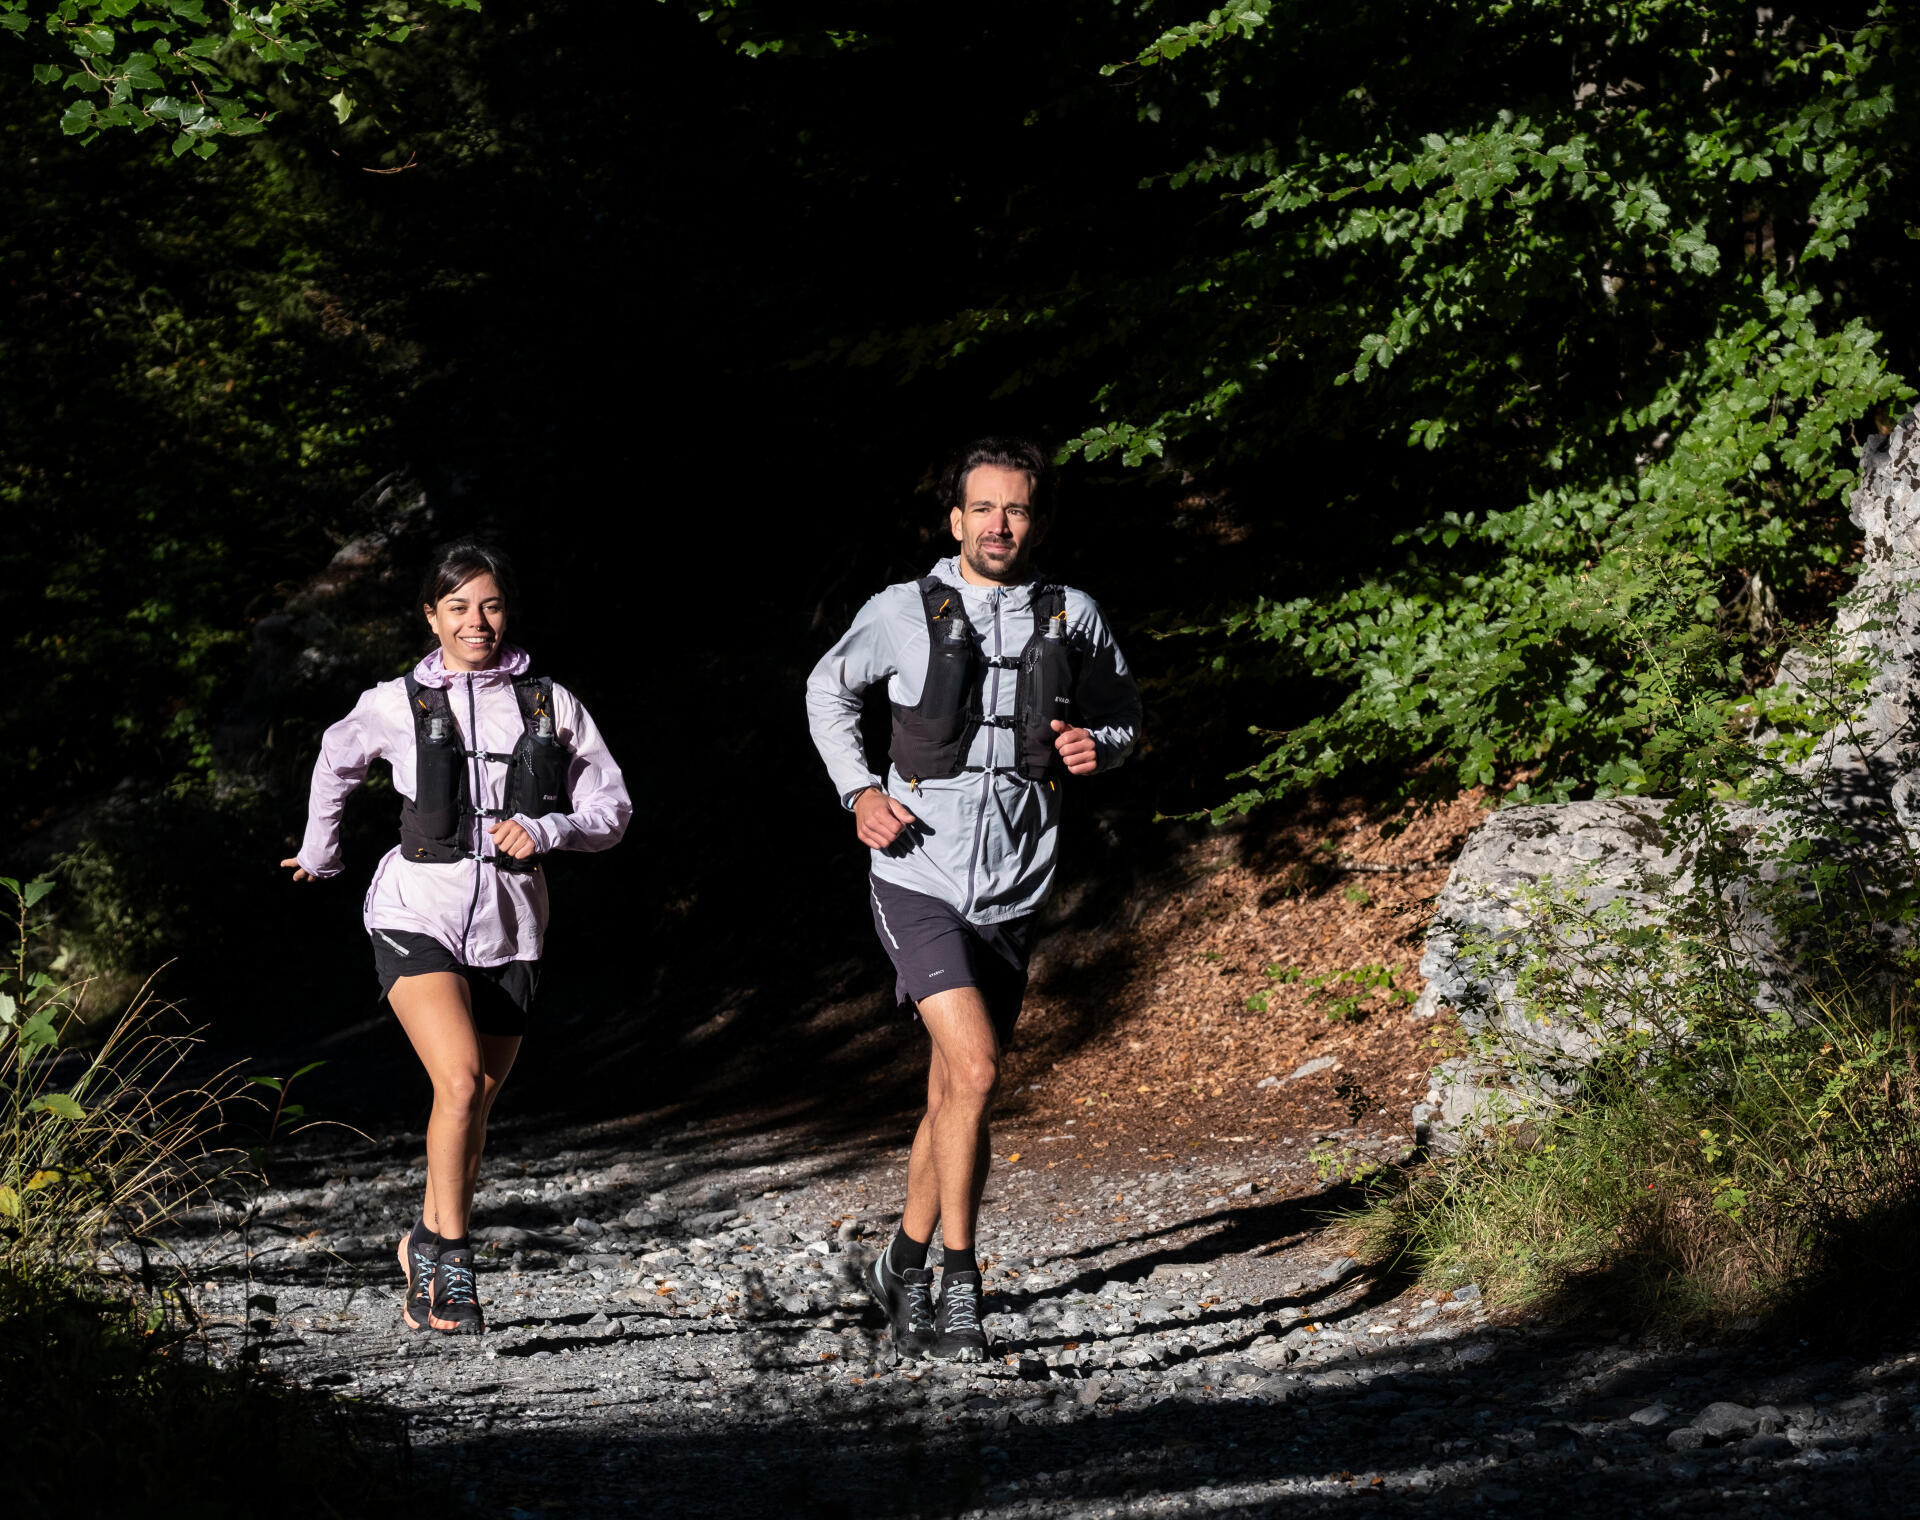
(1005, 690)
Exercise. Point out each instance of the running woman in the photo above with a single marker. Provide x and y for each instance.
(1006, 690)
(496, 768)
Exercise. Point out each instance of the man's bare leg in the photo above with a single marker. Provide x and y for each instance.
(923, 1181)
(963, 1076)
(923, 1185)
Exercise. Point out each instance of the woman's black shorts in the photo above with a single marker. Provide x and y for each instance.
(502, 995)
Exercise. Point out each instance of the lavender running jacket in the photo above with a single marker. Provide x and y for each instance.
(484, 915)
(986, 846)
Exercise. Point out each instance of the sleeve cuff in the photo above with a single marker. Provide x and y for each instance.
(542, 843)
(847, 799)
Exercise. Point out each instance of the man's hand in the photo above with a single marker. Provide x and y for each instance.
(1076, 749)
(299, 872)
(510, 839)
(878, 819)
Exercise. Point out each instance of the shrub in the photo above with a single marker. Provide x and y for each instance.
(104, 1394)
(1715, 1078)
(94, 1135)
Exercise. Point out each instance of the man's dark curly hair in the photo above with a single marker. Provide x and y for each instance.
(1009, 454)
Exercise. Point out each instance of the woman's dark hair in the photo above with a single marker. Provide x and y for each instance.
(453, 565)
(1009, 454)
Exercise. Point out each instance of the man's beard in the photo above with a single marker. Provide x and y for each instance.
(979, 564)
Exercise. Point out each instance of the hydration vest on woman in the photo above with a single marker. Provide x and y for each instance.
(468, 749)
(434, 823)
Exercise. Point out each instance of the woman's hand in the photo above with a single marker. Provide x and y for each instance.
(299, 872)
(510, 839)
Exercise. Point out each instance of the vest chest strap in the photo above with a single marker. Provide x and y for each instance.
(487, 754)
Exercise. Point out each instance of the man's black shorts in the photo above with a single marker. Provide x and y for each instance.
(502, 996)
(933, 948)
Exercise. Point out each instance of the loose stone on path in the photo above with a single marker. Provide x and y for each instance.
(682, 1330)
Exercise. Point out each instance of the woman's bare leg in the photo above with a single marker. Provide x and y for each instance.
(497, 1052)
(435, 1010)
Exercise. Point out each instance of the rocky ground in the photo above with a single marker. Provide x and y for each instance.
(676, 1328)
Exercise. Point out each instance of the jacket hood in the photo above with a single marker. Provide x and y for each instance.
(513, 661)
(948, 570)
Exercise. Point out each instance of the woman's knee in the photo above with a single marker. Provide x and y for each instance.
(490, 1090)
(462, 1093)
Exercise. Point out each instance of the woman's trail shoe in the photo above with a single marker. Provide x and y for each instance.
(958, 1335)
(417, 1260)
(456, 1307)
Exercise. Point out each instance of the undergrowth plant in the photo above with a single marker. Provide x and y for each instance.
(1705, 1084)
(98, 1136)
(105, 1387)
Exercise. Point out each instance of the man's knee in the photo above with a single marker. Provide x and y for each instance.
(974, 1079)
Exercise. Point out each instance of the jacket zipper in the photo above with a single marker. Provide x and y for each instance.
(986, 775)
(473, 794)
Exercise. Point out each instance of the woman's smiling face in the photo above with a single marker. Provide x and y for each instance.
(471, 623)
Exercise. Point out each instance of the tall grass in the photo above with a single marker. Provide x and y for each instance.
(1720, 1151)
(98, 1136)
(106, 1396)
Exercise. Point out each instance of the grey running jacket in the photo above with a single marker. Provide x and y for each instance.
(985, 842)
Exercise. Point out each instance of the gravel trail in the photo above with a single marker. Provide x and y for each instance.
(676, 1328)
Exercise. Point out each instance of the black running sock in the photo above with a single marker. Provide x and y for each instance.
(959, 1259)
(906, 1254)
(420, 1235)
(462, 1244)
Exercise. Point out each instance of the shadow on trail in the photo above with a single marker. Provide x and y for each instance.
(758, 1003)
(1413, 1443)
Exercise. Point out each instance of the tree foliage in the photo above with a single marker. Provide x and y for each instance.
(1553, 313)
(199, 70)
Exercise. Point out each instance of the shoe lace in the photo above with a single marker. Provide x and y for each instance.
(960, 1302)
(423, 1265)
(920, 1306)
(457, 1284)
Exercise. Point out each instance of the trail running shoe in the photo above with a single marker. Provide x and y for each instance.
(906, 1298)
(957, 1335)
(456, 1306)
(416, 1260)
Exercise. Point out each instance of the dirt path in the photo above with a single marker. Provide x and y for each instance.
(676, 1330)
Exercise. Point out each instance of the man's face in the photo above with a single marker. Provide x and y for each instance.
(995, 526)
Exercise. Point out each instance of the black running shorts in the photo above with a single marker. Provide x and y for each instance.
(502, 996)
(933, 948)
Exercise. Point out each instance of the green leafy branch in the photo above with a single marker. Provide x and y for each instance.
(203, 69)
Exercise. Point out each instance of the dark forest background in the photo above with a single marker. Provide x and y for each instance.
(1355, 364)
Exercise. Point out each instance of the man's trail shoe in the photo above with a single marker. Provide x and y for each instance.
(906, 1298)
(416, 1260)
(957, 1335)
(456, 1307)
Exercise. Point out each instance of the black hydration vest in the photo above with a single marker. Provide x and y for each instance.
(433, 823)
(931, 739)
